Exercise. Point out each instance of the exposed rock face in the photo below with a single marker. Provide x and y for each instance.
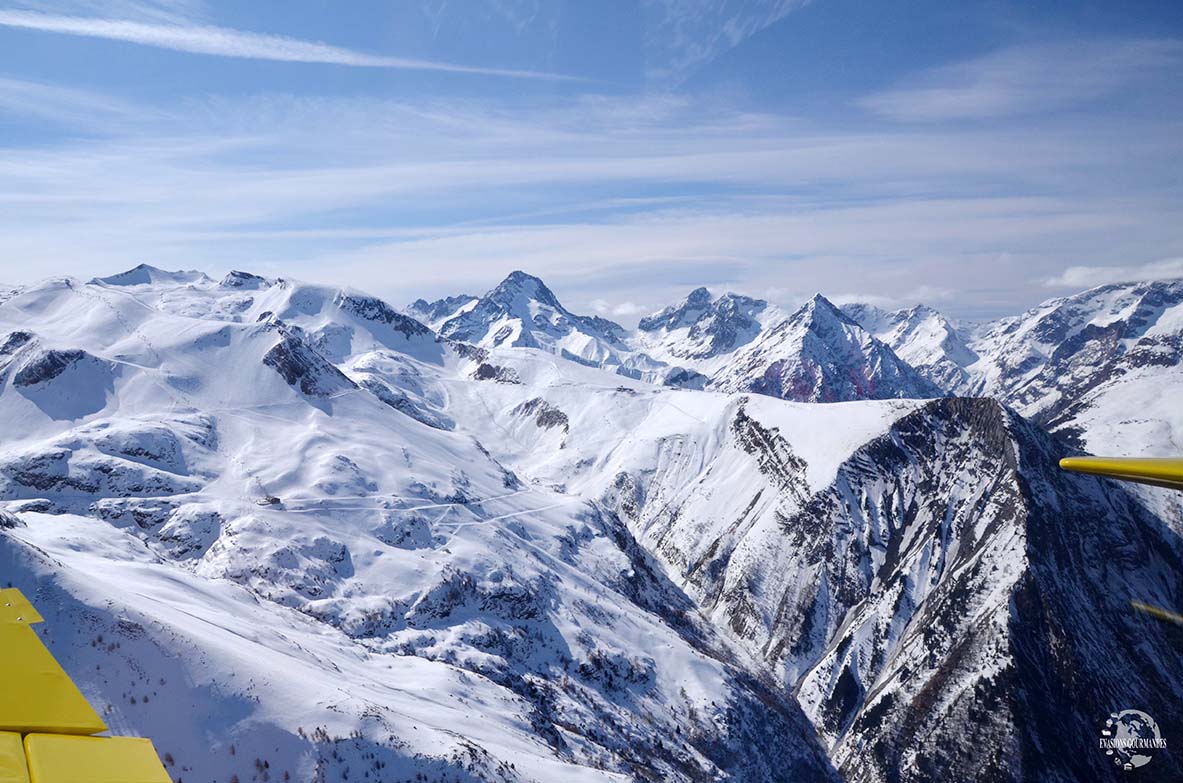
(237, 279)
(14, 341)
(305, 369)
(545, 415)
(712, 326)
(439, 310)
(493, 372)
(951, 602)
(820, 355)
(373, 309)
(46, 366)
(922, 337)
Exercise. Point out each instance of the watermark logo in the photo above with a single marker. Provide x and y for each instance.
(1130, 738)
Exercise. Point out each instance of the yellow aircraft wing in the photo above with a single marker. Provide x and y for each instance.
(15, 608)
(1158, 472)
(55, 758)
(12, 759)
(45, 719)
(37, 695)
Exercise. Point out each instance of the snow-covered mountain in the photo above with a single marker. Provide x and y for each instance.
(943, 600)
(250, 554)
(1095, 367)
(815, 354)
(522, 312)
(434, 314)
(704, 327)
(354, 548)
(725, 343)
(1098, 366)
(922, 337)
(818, 354)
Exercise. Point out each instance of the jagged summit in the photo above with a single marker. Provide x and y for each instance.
(519, 289)
(435, 312)
(703, 327)
(818, 354)
(820, 312)
(692, 308)
(923, 337)
(522, 311)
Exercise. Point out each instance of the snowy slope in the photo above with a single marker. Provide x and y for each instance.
(379, 553)
(521, 311)
(920, 572)
(338, 583)
(1098, 365)
(818, 354)
(703, 327)
(725, 343)
(922, 337)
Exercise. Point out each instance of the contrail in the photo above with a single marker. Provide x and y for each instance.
(227, 42)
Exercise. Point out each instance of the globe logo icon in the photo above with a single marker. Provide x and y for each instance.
(1130, 738)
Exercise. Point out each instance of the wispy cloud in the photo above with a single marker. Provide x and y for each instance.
(1022, 80)
(64, 105)
(227, 42)
(622, 199)
(604, 307)
(682, 35)
(1077, 277)
(169, 11)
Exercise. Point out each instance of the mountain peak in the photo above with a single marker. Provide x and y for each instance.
(520, 287)
(146, 274)
(239, 279)
(819, 310)
(688, 312)
(440, 309)
(522, 311)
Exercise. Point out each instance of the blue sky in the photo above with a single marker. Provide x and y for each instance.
(978, 156)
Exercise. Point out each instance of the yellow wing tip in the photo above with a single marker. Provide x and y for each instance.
(15, 608)
(1163, 472)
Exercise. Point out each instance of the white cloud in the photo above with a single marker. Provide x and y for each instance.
(226, 42)
(630, 308)
(1077, 277)
(467, 192)
(1023, 80)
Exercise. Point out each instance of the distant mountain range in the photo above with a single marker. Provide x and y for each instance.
(1089, 366)
(292, 532)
